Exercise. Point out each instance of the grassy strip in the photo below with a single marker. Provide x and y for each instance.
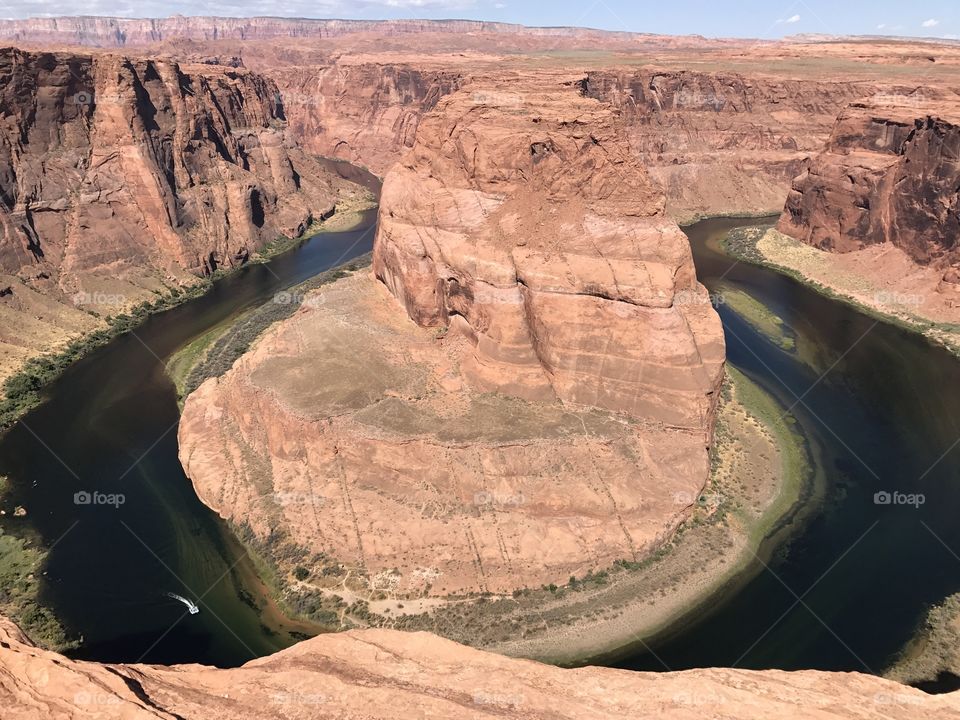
(760, 317)
(741, 244)
(935, 649)
(22, 391)
(213, 354)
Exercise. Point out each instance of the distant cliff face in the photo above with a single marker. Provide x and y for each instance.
(367, 114)
(109, 163)
(120, 177)
(889, 173)
(721, 141)
(122, 32)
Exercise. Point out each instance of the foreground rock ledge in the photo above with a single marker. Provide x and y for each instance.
(389, 674)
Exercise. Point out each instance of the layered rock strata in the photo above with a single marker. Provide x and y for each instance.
(386, 674)
(534, 401)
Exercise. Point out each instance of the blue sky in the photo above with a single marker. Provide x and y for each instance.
(747, 18)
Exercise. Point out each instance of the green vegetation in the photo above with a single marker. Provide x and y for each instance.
(214, 353)
(22, 391)
(936, 647)
(741, 244)
(759, 317)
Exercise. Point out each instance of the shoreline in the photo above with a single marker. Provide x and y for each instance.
(22, 556)
(604, 616)
(768, 248)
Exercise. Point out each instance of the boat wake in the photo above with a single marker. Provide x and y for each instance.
(191, 606)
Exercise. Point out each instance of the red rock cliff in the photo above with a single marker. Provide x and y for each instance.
(890, 172)
(522, 219)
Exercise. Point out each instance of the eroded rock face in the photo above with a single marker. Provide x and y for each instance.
(724, 141)
(389, 674)
(366, 113)
(528, 405)
(116, 165)
(889, 173)
(522, 220)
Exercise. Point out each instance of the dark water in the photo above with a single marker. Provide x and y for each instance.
(109, 426)
(886, 415)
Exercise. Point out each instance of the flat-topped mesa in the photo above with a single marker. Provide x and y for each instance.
(889, 173)
(522, 220)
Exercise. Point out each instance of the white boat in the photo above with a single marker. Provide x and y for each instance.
(191, 606)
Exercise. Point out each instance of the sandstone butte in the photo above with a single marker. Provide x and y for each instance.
(888, 175)
(373, 674)
(122, 176)
(534, 401)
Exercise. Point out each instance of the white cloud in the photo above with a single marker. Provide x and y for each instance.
(793, 19)
(881, 26)
(932, 22)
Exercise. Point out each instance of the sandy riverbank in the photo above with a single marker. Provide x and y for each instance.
(880, 280)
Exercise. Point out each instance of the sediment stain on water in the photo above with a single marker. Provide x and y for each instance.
(883, 405)
(109, 426)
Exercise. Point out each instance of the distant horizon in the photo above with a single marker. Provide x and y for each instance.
(748, 20)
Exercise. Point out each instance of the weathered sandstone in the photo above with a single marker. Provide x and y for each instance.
(121, 177)
(888, 174)
(537, 416)
(387, 674)
(522, 220)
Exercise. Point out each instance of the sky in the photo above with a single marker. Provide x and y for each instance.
(746, 18)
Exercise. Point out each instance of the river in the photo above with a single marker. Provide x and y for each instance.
(109, 425)
(845, 593)
(883, 405)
